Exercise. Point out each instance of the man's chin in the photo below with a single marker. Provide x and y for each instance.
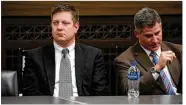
(61, 41)
(154, 48)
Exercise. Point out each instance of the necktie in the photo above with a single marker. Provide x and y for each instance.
(65, 79)
(164, 78)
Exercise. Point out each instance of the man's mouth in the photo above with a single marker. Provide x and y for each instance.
(60, 34)
(153, 46)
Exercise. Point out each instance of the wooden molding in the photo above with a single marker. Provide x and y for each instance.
(90, 8)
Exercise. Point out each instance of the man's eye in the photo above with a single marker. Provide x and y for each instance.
(65, 23)
(157, 33)
(148, 36)
(55, 23)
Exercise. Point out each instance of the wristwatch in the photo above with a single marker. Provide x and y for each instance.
(153, 70)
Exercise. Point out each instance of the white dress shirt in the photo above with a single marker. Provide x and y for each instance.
(58, 56)
(165, 69)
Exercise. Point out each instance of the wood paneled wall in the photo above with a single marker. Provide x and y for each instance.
(89, 8)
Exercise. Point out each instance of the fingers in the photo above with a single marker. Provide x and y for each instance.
(165, 58)
(169, 56)
(170, 53)
(174, 55)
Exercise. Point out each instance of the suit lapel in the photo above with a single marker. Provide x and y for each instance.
(49, 62)
(172, 67)
(143, 59)
(80, 56)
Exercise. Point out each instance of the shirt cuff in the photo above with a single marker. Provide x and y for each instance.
(155, 75)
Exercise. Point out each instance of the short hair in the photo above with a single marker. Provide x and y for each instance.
(146, 17)
(66, 8)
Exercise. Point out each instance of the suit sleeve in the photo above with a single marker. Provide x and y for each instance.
(30, 80)
(120, 77)
(100, 84)
(179, 54)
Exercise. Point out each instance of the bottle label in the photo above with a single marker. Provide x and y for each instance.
(133, 75)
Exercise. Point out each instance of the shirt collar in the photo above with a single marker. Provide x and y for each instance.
(158, 52)
(59, 48)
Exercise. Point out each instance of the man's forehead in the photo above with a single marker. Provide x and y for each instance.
(154, 28)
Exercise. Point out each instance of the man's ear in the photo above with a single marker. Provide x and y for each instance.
(136, 33)
(76, 26)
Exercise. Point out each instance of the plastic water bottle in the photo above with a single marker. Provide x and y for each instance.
(133, 81)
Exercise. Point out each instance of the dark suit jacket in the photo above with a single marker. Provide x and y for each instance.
(148, 85)
(39, 71)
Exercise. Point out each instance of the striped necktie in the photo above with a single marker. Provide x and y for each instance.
(163, 76)
(65, 79)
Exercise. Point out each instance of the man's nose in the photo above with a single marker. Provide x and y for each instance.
(154, 39)
(60, 26)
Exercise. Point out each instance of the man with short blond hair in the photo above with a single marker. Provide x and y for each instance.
(65, 68)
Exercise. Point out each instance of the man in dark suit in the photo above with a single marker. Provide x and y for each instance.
(42, 65)
(148, 30)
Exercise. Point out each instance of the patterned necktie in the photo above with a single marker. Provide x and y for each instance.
(65, 79)
(164, 78)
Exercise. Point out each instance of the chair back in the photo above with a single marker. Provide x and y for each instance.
(9, 84)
